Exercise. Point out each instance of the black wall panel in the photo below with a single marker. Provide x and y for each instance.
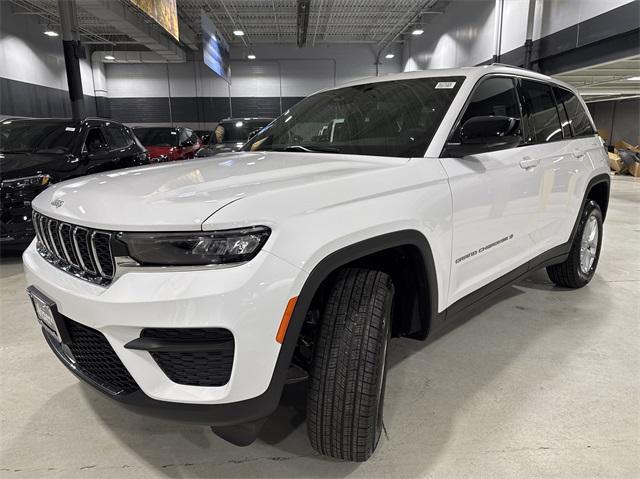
(140, 110)
(212, 109)
(25, 99)
(245, 107)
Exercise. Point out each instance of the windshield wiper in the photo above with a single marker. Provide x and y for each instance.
(312, 149)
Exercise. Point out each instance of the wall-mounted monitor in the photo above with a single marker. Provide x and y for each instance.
(215, 49)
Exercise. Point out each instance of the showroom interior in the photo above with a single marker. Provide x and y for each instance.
(537, 380)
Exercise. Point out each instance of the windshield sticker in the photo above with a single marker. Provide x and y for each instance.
(69, 128)
(445, 85)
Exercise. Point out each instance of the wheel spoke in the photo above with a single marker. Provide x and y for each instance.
(589, 244)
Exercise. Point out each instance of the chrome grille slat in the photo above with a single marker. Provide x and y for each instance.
(67, 244)
(52, 226)
(81, 242)
(44, 232)
(84, 252)
(105, 267)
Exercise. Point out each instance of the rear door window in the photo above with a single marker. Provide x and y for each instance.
(578, 118)
(540, 112)
(116, 137)
(95, 140)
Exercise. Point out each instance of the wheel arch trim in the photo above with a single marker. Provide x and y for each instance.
(349, 254)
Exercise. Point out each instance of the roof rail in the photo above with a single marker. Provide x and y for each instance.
(498, 64)
(86, 118)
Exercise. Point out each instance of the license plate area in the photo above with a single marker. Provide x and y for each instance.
(47, 315)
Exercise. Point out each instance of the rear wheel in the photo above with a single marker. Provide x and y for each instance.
(347, 378)
(580, 266)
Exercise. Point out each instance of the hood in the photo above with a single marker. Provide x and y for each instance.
(17, 165)
(180, 196)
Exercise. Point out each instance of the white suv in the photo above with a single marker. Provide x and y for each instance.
(381, 208)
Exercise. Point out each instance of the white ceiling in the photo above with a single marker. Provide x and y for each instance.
(330, 21)
(263, 21)
(606, 81)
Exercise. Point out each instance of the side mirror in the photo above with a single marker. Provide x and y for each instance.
(205, 139)
(486, 133)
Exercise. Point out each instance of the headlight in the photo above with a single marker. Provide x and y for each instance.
(27, 181)
(198, 248)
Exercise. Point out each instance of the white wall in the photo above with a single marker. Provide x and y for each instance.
(277, 71)
(465, 34)
(555, 15)
(29, 56)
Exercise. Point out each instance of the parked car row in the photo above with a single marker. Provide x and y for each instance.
(37, 152)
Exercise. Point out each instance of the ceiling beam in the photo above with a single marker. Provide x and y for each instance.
(302, 22)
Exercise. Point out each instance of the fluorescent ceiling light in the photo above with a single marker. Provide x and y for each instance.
(634, 79)
(109, 57)
(51, 33)
(238, 33)
(251, 56)
(417, 31)
(389, 55)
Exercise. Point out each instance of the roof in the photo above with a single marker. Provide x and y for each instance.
(248, 119)
(471, 73)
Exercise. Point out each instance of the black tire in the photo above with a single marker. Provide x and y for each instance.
(571, 274)
(347, 378)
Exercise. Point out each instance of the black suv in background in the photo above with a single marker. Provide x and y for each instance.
(231, 134)
(37, 152)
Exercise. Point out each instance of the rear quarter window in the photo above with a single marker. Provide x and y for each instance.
(578, 118)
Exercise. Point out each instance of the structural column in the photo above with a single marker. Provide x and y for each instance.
(72, 54)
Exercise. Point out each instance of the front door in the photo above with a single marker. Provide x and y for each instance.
(494, 195)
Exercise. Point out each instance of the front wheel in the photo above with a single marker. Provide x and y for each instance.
(347, 378)
(580, 266)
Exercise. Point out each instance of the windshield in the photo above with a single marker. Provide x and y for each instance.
(390, 118)
(157, 136)
(29, 136)
(237, 131)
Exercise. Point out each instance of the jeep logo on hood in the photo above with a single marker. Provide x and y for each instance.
(57, 203)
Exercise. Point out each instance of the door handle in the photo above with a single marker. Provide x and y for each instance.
(528, 163)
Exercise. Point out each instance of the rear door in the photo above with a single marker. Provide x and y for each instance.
(586, 148)
(96, 151)
(122, 146)
(550, 145)
(494, 198)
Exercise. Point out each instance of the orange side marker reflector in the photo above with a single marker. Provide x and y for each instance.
(284, 324)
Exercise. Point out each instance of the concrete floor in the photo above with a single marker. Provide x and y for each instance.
(542, 382)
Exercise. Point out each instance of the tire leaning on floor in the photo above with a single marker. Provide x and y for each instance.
(347, 378)
(580, 266)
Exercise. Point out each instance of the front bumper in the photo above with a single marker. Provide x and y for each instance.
(248, 300)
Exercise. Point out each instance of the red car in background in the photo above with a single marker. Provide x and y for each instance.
(168, 144)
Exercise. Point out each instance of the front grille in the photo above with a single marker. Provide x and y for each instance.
(195, 368)
(95, 358)
(80, 251)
